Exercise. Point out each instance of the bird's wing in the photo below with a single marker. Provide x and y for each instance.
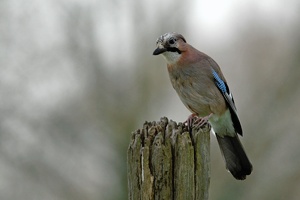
(224, 89)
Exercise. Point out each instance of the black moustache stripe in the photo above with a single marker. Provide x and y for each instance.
(173, 49)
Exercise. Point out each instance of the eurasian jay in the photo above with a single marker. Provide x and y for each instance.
(203, 89)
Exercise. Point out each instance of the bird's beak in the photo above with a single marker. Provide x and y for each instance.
(158, 51)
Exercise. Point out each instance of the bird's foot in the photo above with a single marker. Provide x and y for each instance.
(190, 121)
(198, 122)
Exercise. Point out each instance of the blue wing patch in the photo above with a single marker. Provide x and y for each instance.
(223, 87)
(219, 82)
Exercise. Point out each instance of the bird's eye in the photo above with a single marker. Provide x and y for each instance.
(172, 41)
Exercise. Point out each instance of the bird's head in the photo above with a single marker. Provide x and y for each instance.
(171, 46)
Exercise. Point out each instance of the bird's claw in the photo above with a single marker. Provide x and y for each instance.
(198, 122)
(190, 121)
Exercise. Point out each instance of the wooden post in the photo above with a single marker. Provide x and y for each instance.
(165, 161)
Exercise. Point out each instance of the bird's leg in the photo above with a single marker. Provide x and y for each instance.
(200, 121)
(190, 121)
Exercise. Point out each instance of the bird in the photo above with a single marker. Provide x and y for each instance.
(203, 89)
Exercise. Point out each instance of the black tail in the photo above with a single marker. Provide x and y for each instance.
(236, 159)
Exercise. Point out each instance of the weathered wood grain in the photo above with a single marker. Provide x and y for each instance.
(166, 161)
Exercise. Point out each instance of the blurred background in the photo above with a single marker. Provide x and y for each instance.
(77, 77)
